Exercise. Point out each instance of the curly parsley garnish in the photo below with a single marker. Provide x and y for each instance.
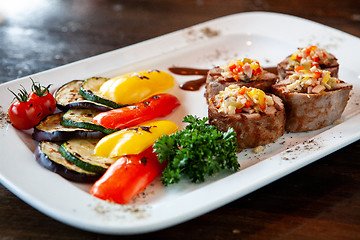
(198, 151)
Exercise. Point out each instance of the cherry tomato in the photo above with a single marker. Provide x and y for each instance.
(41, 96)
(29, 109)
(24, 113)
(46, 102)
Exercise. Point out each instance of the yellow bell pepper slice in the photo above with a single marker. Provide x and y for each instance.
(134, 140)
(136, 87)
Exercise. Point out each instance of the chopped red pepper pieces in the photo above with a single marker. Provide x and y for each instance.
(299, 68)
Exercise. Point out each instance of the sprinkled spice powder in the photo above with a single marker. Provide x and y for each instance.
(4, 118)
(307, 145)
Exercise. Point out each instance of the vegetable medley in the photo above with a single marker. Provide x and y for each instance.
(108, 134)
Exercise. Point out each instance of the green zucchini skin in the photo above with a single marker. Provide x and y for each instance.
(68, 97)
(90, 91)
(48, 156)
(80, 153)
(51, 129)
(82, 118)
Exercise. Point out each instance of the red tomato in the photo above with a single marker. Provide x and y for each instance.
(24, 115)
(46, 102)
(158, 105)
(29, 109)
(127, 177)
(41, 95)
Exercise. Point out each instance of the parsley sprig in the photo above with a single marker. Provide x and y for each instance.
(198, 151)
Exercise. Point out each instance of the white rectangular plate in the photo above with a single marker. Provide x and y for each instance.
(202, 46)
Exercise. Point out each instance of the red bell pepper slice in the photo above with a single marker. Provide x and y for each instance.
(127, 177)
(158, 105)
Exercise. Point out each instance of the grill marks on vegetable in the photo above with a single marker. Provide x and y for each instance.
(141, 77)
(68, 97)
(145, 77)
(48, 156)
(143, 160)
(144, 128)
(90, 90)
(147, 103)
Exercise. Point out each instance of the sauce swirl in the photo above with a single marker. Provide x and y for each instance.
(192, 85)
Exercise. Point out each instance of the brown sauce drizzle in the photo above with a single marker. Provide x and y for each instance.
(188, 71)
(194, 85)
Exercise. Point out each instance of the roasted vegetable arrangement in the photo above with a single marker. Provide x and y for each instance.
(93, 131)
(106, 130)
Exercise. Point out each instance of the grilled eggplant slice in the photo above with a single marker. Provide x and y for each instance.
(50, 129)
(47, 155)
(68, 97)
(82, 118)
(90, 90)
(81, 153)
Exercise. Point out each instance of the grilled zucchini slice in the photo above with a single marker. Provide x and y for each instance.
(90, 90)
(81, 153)
(51, 129)
(82, 118)
(47, 155)
(68, 97)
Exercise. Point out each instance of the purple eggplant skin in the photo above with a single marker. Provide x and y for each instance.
(83, 104)
(50, 129)
(59, 135)
(66, 173)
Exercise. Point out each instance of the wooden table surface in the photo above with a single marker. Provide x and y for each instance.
(319, 201)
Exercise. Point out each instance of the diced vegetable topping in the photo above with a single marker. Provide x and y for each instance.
(309, 57)
(235, 99)
(242, 70)
(313, 80)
